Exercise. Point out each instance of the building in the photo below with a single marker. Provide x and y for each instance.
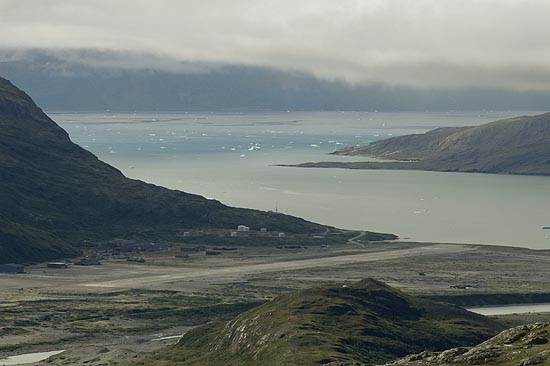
(234, 233)
(289, 247)
(136, 259)
(12, 268)
(200, 248)
(88, 261)
(187, 233)
(263, 230)
(243, 228)
(120, 257)
(281, 235)
(57, 265)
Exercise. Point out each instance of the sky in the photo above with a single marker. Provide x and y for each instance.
(502, 44)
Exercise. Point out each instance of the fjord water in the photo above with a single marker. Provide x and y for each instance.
(230, 157)
(511, 309)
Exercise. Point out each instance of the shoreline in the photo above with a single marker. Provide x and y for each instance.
(397, 165)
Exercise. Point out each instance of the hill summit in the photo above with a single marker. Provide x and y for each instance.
(367, 322)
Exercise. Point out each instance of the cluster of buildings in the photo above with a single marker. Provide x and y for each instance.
(246, 229)
(200, 249)
(116, 254)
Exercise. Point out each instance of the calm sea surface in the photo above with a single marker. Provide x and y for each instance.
(230, 157)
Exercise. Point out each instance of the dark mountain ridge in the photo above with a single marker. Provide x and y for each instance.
(54, 195)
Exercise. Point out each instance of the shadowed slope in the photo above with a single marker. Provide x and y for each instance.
(54, 194)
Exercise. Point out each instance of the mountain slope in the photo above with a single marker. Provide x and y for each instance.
(520, 346)
(55, 195)
(518, 145)
(367, 322)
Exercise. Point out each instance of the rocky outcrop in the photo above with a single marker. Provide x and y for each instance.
(520, 346)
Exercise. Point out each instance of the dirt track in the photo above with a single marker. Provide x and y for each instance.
(235, 272)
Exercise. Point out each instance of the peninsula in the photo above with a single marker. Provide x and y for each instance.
(519, 145)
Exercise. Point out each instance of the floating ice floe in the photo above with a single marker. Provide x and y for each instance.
(243, 155)
(314, 145)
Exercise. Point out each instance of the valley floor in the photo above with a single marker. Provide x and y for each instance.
(120, 311)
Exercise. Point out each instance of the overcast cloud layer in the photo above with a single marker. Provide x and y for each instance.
(420, 43)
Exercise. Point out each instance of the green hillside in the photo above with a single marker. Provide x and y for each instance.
(367, 323)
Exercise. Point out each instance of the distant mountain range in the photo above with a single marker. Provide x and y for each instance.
(56, 196)
(518, 145)
(65, 81)
(366, 323)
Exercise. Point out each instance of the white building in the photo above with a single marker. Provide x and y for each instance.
(243, 228)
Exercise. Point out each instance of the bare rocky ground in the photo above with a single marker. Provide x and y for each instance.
(120, 311)
(520, 346)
